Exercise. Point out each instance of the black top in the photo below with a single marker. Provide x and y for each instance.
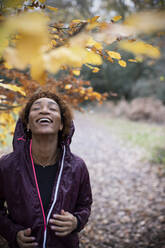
(45, 178)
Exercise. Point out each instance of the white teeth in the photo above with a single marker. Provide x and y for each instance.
(44, 120)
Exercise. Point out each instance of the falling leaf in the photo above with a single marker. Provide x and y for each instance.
(51, 8)
(76, 72)
(3, 41)
(93, 58)
(13, 88)
(8, 66)
(77, 21)
(93, 19)
(13, 3)
(95, 69)
(146, 21)
(42, 1)
(114, 55)
(140, 47)
(53, 43)
(132, 60)
(92, 42)
(162, 78)
(122, 63)
(31, 27)
(116, 18)
(68, 86)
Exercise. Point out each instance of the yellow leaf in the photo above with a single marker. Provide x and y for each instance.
(33, 41)
(11, 56)
(51, 8)
(53, 43)
(68, 86)
(162, 78)
(93, 19)
(42, 1)
(93, 58)
(95, 69)
(116, 18)
(13, 3)
(13, 88)
(91, 26)
(17, 110)
(140, 48)
(91, 42)
(3, 42)
(77, 21)
(114, 55)
(122, 63)
(76, 72)
(56, 36)
(132, 60)
(8, 66)
(89, 66)
(146, 21)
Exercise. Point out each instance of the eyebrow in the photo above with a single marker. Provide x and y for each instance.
(38, 102)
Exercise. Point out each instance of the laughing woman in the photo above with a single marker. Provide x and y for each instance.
(45, 193)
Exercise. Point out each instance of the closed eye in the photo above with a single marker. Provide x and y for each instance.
(35, 108)
(53, 109)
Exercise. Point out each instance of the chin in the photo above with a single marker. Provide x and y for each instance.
(44, 132)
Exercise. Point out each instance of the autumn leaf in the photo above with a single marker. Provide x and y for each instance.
(91, 42)
(13, 88)
(114, 55)
(122, 63)
(77, 21)
(116, 18)
(68, 86)
(93, 19)
(31, 27)
(7, 65)
(76, 72)
(92, 58)
(133, 60)
(3, 43)
(51, 8)
(13, 3)
(42, 1)
(146, 21)
(95, 69)
(140, 48)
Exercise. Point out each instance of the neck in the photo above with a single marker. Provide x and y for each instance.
(45, 149)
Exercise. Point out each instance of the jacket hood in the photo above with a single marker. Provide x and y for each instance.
(19, 134)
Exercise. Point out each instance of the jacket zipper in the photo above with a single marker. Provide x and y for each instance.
(55, 194)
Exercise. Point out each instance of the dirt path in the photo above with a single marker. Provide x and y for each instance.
(129, 195)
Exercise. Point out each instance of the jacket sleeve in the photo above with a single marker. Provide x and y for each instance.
(8, 229)
(83, 206)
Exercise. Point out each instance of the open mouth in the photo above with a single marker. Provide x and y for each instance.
(44, 120)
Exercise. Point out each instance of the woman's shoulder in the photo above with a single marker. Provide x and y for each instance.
(7, 159)
(77, 159)
(77, 162)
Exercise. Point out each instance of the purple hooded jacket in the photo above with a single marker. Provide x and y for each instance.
(19, 188)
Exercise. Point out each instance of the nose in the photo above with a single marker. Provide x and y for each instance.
(44, 109)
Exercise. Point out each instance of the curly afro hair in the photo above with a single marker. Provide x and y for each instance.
(66, 113)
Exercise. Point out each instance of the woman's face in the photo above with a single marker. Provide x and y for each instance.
(44, 117)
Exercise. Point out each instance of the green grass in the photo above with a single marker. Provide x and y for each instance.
(150, 137)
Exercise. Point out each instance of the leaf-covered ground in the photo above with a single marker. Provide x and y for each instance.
(129, 193)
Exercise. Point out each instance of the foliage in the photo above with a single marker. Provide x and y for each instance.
(32, 40)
